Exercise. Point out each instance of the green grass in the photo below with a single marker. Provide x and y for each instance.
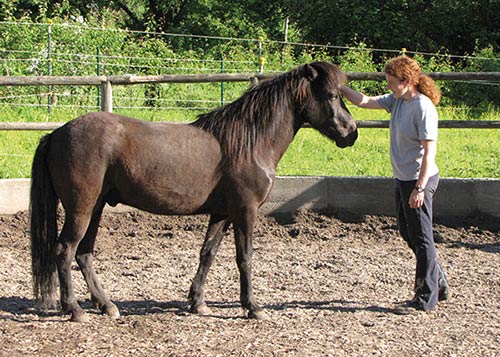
(462, 153)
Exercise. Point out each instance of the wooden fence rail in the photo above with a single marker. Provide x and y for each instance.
(106, 83)
(444, 124)
(216, 77)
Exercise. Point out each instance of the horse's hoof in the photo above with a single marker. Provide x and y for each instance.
(79, 317)
(258, 315)
(112, 311)
(201, 309)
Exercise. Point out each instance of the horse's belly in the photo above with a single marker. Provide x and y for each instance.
(177, 201)
(166, 196)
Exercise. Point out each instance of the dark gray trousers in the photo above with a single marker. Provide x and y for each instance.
(415, 226)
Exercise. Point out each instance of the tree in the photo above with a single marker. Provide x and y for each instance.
(457, 27)
(418, 25)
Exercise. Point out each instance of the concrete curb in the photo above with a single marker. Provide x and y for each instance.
(353, 195)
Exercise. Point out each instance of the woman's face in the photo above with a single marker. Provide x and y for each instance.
(399, 88)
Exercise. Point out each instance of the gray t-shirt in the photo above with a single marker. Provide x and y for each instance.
(411, 121)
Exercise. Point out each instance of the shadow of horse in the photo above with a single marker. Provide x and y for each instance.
(485, 247)
(342, 306)
(21, 309)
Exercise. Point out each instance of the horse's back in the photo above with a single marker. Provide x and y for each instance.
(159, 167)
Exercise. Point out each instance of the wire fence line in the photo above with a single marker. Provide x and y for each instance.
(51, 49)
(62, 50)
(236, 39)
(77, 42)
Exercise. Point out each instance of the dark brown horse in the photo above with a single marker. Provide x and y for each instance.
(223, 164)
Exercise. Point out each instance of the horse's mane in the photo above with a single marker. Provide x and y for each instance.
(254, 118)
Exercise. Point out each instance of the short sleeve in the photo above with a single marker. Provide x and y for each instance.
(428, 123)
(387, 101)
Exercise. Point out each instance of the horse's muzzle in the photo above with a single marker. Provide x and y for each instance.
(348, 140)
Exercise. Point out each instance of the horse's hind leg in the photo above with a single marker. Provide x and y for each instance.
(74, 228)
(217, 227)
(84, 258)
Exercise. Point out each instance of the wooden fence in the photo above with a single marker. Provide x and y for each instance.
(107, 83)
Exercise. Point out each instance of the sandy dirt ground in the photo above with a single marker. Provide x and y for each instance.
(328, 283)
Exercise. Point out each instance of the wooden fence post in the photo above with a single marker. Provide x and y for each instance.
(107, 97)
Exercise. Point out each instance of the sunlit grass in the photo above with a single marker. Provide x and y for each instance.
(462, 153)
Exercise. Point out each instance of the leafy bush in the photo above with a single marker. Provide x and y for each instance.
(473, 93)
(360, 59)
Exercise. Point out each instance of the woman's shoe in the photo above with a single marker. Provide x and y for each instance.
(444, 289)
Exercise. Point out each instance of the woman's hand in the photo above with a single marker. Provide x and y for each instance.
(416, 199)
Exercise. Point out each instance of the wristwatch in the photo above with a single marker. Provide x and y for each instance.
(419, 189)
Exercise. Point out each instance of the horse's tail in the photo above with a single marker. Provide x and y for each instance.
(43, 220)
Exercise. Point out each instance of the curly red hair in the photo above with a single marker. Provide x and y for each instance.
(406, 68)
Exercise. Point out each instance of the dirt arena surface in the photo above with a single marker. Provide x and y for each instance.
(329, 285)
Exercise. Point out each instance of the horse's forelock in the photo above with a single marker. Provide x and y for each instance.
(333, 75)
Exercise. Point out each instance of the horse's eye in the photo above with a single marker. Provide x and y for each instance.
(332, 95)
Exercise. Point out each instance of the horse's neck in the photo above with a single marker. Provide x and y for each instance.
(279, 143)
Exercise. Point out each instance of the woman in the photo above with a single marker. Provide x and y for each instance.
(413, 140)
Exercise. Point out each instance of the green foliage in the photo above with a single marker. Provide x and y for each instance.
(438, 63)
(419, 25)
(360, 59)
(473, 94)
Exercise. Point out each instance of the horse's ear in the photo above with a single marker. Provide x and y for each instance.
(309, 72)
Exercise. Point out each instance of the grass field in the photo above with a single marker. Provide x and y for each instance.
(462, 153)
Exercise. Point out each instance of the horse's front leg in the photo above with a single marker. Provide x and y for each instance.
(243, 234)
(217, 227)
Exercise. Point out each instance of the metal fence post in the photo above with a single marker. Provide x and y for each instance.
(49, 65)
(262, 60)
(98, 70)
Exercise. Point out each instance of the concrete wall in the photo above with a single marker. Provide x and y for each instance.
(14, 195)
(354, 195)
(374, 195)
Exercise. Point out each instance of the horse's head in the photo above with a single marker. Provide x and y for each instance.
(322, 105)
